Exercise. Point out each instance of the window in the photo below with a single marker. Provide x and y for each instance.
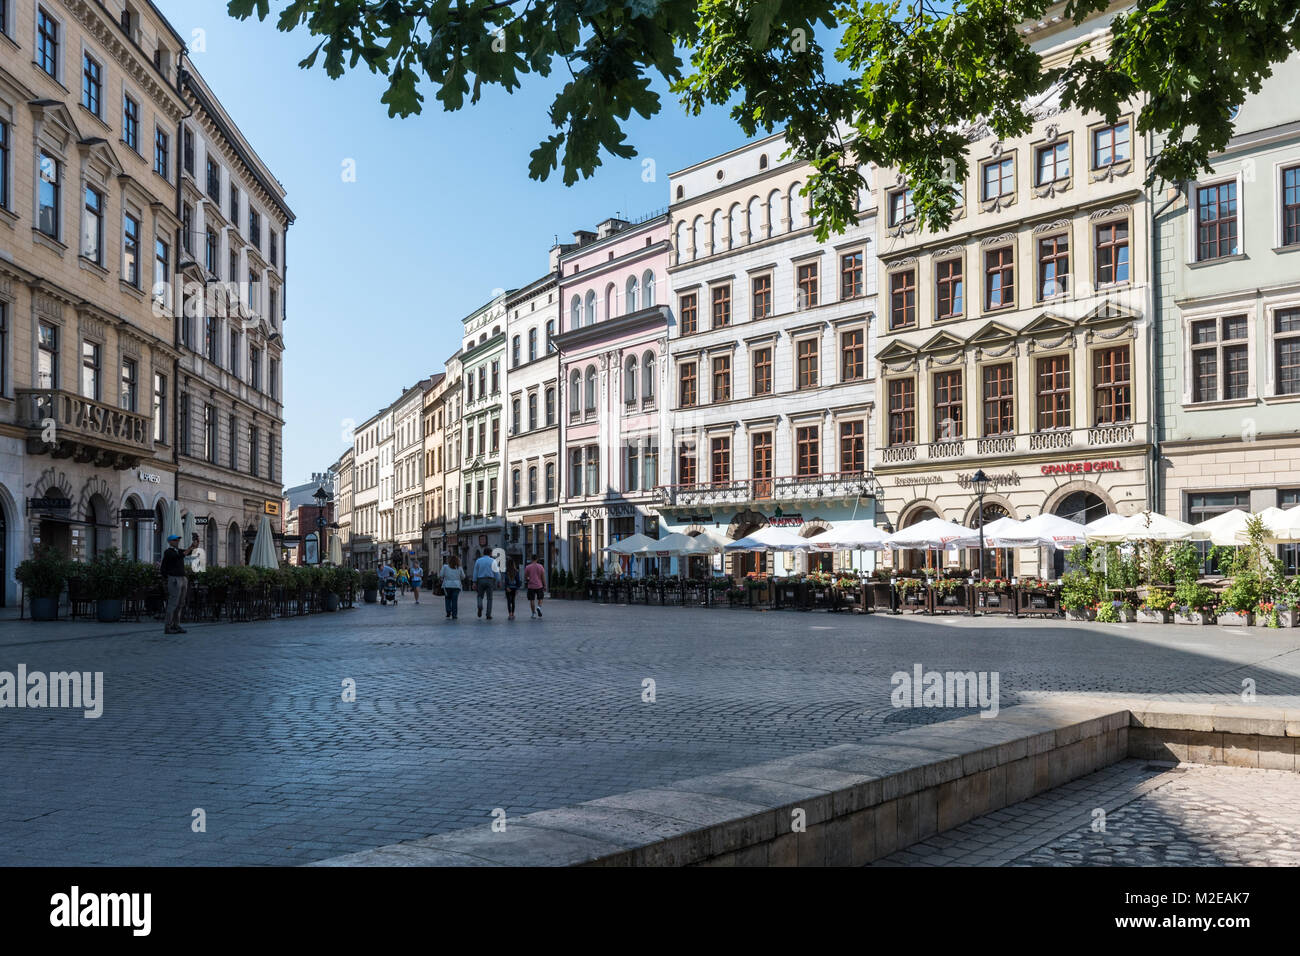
(1110, 145)
(631, 466)
(1000, 278)
(273, 247)
(999, 400)
(1054, 393)
(183, 425)
(532, 345)
(762, 296)
(187, 150)
(949, 298)
(254, 440)
(210, 432)
(761, 470)
(211, 345)
(92, 227)
(233, 274)
(162, 257)
(721, 306)
(591, 390)
(161, 152)
(852, 358)
(234, 351)
(722, 378)
(575, 394)
(255, 368)
(686, 385)
(902, 411)
(4, 341)
(234, 206)
(806, 363)
(948, 417)
(999, 177)
(514, 351)
(48, 220)
(232, 440)
(853, 448)
(1112, 386)
(1290, 205)
(902, 299)
(1112, 253)
(1220, 361)
(901, 209)
(686, 464)
(210, 252)
(90, 353)
(4, 161)
(131, 249)
(131, 123)
(550, 406)
(593, 469)
(550, 481)
(515, 409)
(1286, 351)
(1053, 266)
(532, 410)
(47, 43)
(1216, 221)
(851, 286)
(688, 314)
(214, 181)
(1052, 164)
(159, 407)
(720, 457)
(550, 335)
(808, 451)
(806, 286)
(92, 83)
(515, 481)
(496, 377)
(255, 228)
(762, 383)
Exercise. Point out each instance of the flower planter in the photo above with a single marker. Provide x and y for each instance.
(1193, 617)
(1126, 615)
(370, 595)
(331, 601)
(45, 608)
(108, 610)
(1148, 616)
(1038, 601)
(1287, 617)
(1080, 614)
(1236, 619)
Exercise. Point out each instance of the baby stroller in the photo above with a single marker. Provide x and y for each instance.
(388, 591)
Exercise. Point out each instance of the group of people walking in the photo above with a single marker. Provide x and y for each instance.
(483, 579)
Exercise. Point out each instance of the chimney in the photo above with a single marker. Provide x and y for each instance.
(583, 236)
(611, 226)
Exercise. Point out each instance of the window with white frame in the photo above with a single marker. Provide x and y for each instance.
(1220, 359)
(1286, 352)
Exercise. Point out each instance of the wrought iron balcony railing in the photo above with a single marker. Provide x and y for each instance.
(791, 488)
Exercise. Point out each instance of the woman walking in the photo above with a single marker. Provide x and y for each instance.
(514, 581)
(417, 578)
(403, 579)
(452, 578)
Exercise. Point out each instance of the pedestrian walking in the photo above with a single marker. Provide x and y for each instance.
(514, 581)
(417, 578)
(173, 571)
(452, 578)
(485, 581)
(403, 579)
(535, 581)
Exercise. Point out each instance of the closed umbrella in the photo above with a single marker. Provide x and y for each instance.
(172, 521)
(188, 528)
(263, 547)
(336, 550)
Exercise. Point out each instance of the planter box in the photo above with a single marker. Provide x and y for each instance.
(1152, 617)
(1126, 615)
(331, 601)
(1286, 617)
(108, 610)
(370, 595)
(45, 608)
(1080, 614)
(1233, 619)
(1193, 617)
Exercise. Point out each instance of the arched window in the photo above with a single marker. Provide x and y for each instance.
(550, 406)
(159, 521)
(550, 481)
(532, 410)
(532, 485)
(532, 345)
(234, 546)
(575, 315)
(795, 209)
(762, 161)
(514, 416)
(648, 289)
(514, 488)
(575, 392)
(609, 301)
(697, 237)
(550, 334)
(591, 307)
(774, 212)
(717, 231)
(130, 533)
(630, 304)
(514, 351)
(591, 388)
(648, 376)
(680, 242)
(736, 226)
(681, 191)
(211, 541)
(755, 217)
(629, 380)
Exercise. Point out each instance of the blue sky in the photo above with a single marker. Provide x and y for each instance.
(442, 212)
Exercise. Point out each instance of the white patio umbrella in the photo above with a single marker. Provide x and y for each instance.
(172, 521)
(671, 544)
(995, 533)
(933, 534)
(1045, 530)
(770, 539)
(1283, 526)
(633, 544)
(1150, 526)
(336, 551)
(1223, 528)
(850, 536)
(263, 555)
(709, 542)
(1103, 526)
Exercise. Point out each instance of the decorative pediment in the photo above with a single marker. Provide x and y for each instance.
(992, 333)
(896, 351)
(944, 342)
(55, 120)
(97, 154)
(1047, 324)
(1109, 313)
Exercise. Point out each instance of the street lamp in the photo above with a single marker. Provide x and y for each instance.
(322, 499)
(980, 482)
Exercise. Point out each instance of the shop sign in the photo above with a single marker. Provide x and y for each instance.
(271, 508)
(137, 514)
(786, 521)
(1002, 478)
(146, 476)
(907, 481)
(49, 504)
(1081, 467)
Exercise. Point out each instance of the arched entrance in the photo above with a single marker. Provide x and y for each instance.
(4, 554)
(99, 526)
(233, 540)
(818, 560)
(1081, 507)
(745, 562)
(212, 541)
(998, 562)
(911, 560)
(132, 533)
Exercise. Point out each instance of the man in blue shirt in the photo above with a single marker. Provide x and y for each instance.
(485, 580)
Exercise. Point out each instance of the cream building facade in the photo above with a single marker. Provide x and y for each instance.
(481, 521)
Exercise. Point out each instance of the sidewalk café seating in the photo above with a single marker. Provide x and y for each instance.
(950, 597)
(1033, 600)
(995, 597)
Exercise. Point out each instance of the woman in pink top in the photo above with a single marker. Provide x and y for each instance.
(535, 581)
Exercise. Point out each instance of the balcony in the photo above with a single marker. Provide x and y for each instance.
(752, 491)
(66, 425)
(1071, 441)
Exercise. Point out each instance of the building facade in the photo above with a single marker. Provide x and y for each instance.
(482, 361)
(363, 546)
(434, 446)
(770, 383)
(532, 440)
(343, 500)
(408, 472)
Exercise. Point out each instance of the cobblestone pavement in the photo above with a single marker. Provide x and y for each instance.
(246, 721)
(1153, 815)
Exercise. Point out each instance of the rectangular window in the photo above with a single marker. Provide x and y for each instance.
(593, 469)
(851, 276)
(686, 396)
(721, 459)
(161, 153)
(722, 378)
(233, 274)
(162, 257)
(721, 306)
(808, 451)
(210, 432)
(1286, 350)
(807, 362)
(187, 150)
(129, 395)
(901, 209)
(234, 351)
(234, 206)
(90, 353)
(948, 417)
(131, 123)
(852, 356)
(902, 299)
(47, 357)
(187, 228)
(761, 459)
(232, 441)
(762, 383)
(999, 178)
(254, 440)
(48, 220)
(4, 344)
(4, 163)
(211, 345)
(1110, 145)
(1220, 360)
(214, 181)
(1053, 266)
(807, 286)
(1112, 253)
(274, 248)
(688, 314)
(762, 296)
(1216, 221)
(159, 407)
(47, 43)
(1290, 205)
(999, 400)
(255, 368)
(92, 83)
(686, 465)
(1054, 393)
(131, 250)
(853, 448)
(1052, 164)
(183, 425)
(949, 290)
(902, 411)
(1112, 386)
(92, 227)
(255, 228)
(1000, 278)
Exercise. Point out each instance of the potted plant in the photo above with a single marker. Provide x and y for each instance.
(1126, 612)
(370, 586)
(42, 577)
(1238, 601)
(1079, 587)
(1155, 608)
(110, 583)
(1193, 604)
